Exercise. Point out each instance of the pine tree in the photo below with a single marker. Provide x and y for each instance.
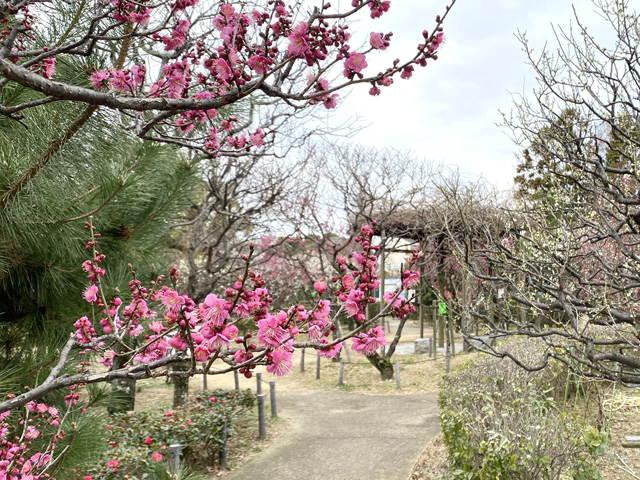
(132, 188)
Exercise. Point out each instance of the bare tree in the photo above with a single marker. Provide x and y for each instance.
(568, 264)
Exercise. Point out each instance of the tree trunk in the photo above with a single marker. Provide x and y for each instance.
(382, 364)
(440, 281)
(180, 385)
(124, 390)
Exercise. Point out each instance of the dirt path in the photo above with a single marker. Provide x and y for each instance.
(337, 435)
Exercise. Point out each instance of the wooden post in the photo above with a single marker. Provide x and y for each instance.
(235, 379)
(258, 384)
(340, 375)
(302, 360)
(318, 367)
(262, 425)
(397, 374)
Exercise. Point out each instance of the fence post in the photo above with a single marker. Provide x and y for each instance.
(204, 377)
(434, 339)
(447, 343)
(262, 425)
(430, 347)
(398, 374)
(302, 360)
(421, 310)
(341, 371)
(174, 458)
(318, 368)
(235, 379)
(452, 338)
(272, 396)
(258, 384)
(222, 454)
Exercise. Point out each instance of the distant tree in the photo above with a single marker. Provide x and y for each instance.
(569, 264)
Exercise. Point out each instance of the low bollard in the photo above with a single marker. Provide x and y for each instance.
(272, 397)
(631, 441)
(302, 361)
(318, 368)
(175, 451)
(222, 454)
(204, 377)
(262, 423)
(397, 374)
(340, 375)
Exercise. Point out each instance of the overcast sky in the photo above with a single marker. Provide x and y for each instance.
(449, 110)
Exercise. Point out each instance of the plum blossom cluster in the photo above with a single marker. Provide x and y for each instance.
(400, 306)
(37, 423)
(368, 343)
(356, 296)
(171, 322)
(175, 328)
(210, 60)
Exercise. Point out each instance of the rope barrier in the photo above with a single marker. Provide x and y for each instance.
(619, 401)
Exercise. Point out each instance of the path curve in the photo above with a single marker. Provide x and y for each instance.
(338, 435)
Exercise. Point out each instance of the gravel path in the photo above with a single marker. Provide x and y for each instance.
(337, 435)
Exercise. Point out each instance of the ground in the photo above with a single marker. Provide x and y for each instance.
(366, 417)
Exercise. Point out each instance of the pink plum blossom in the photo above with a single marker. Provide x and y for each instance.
(270, 332)
(201, 353)
(281, 362)
(215, 309)
(370, 342)
(355, 63)
(376, 40)
(120, 80)
(320, 287)
(107, 358)
(410, 278)
(142, 17)
(259, 64)
(329, 352)
(298, 44)
(91, 293)
(98, 78)
(49, 67)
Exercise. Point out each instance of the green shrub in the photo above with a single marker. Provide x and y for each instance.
(140, 441)
(501, 422)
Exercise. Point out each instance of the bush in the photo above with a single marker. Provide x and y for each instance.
(501, 422)
(140, 441)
